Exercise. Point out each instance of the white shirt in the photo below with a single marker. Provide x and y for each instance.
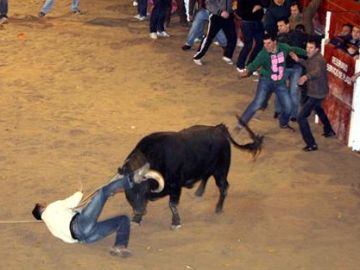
(57, 216)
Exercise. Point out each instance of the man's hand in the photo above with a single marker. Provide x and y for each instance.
(294, 56)
(224, 14)
(256, 8)
(302, 80)
(80, 186)
(244, 74)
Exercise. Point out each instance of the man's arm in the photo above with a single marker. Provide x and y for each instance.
(258, 62)
(73, 200)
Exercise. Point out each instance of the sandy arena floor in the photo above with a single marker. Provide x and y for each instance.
(78, 92)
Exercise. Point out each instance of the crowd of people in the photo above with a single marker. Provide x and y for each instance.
(274, 33)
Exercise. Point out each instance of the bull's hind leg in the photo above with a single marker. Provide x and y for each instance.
(223, 186)
(201, 189)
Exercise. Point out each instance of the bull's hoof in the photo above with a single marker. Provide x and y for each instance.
(175, 227)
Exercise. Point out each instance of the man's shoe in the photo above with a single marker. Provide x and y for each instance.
(135, 3)
(162, 34)
(153, 35)
(121, 251)
(138, 175)
(186, 47)
(293, 119)
(76, 12)
(227, 60)
(42, 14)
(287, 127)
(139, 17)
(198, 62)
(310, 148)
(329, 134)
(4, 20)
(276, 115)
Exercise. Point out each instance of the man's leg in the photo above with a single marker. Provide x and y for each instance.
(294, 90)
(248, 43)
(323, 117)
(282, 94)
(213, 28)
(47, 6)
(154, 17)
(120, 224)
(142, 7)
(303, 122)
(228, 26)
(3, 8)
(90, 213)
(75, 5)
(163, 7)
(258, 30)
(197, 27)
(262, 90)
(221, 38)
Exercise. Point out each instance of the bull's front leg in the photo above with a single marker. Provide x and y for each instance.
(174, 201)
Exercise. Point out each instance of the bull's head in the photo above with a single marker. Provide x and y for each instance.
(139, 195)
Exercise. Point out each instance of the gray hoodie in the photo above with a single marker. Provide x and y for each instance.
(217, 6)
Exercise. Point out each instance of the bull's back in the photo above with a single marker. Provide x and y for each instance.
(192, 153)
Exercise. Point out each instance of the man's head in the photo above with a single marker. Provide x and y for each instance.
(283, 25)
(312, 47)
(279, 2)
(346, 29)
(294, 10)
(270, 43)
(355, 33)
(38, 210)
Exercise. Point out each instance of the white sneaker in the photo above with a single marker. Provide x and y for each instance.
(139, 17)
(241, 70)
(198, 62)
(255, 73)
(197, 40)
(162, 34)
(227, 60)
(153, 35)
(4, 20)
(135, 3)
(216, 43)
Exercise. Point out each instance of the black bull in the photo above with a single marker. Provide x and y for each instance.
(183, 158)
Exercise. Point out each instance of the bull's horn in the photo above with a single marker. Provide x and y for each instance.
(158, 178)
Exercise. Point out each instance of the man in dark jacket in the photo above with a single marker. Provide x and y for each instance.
(221, 17)
(317, 89)
(251, 14)
(276, 10)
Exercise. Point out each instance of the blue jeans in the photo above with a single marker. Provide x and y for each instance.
(253, 31)
(310, 105)
(142, 7)
(158, 14)
(49, 4)
(3, 8)
(86, 226)
(265, 86)
(293, 75)
(197, 29)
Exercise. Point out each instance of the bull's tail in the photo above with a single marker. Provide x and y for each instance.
(254, 148)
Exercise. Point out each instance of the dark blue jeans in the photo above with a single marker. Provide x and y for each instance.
(86, 226)
(310, 105)
(158, 14)
(253, 31)
(265, 86)
(142, 7)
(3, 8)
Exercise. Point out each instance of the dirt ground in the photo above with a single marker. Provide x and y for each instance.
(78, 92)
